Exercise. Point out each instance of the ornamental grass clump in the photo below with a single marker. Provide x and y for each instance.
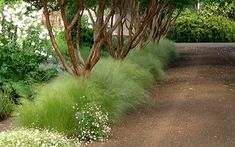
(58, 105)
(35, 138)
(120, 89)
(166, 51)
(155, 57)
(52, 107)
(149, 62)
(116, 92)
(127, 68)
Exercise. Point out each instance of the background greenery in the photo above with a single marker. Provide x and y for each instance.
(194, 27)
(20, 70)
(214, 22)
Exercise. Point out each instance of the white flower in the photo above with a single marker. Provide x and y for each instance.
(41, 36)
(37, 52)
(7, 19)
(48, 37)
(15, 5)
(27, 4)
(35, 137)
(5, 7)
(0, 29)
(12, 31)
(43, 53)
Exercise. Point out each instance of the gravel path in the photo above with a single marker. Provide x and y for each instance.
(194, 106)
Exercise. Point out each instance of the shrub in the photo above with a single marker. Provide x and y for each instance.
(222, 8)
(86, 32)
(19, 70)
(192, 27)
(24, 50)
(35, 138)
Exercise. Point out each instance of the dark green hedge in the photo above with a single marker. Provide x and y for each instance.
(192, 27)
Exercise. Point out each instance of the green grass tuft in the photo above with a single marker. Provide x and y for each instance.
(53, 107)
(149, 62)
(122, 86)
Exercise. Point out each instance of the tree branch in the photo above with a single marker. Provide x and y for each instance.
(52, 37)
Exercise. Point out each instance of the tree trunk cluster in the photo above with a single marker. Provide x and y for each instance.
(145, 22)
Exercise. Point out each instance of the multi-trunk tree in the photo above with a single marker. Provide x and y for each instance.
(119, 26)
(78, 65)
(145, 21)
(129, 33)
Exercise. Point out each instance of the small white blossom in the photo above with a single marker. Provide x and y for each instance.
(35, 137)
(93, 123)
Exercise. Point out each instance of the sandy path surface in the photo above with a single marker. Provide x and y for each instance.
(6, 124)
(194, 106)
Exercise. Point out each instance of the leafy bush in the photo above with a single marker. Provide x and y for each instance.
(25, 52)
(35, 138)
(223, 8)
(86, 32)
(19, 69)
(192, 27)
(86, 28)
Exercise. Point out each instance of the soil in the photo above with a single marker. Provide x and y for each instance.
(5, 124)
(194, 106)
